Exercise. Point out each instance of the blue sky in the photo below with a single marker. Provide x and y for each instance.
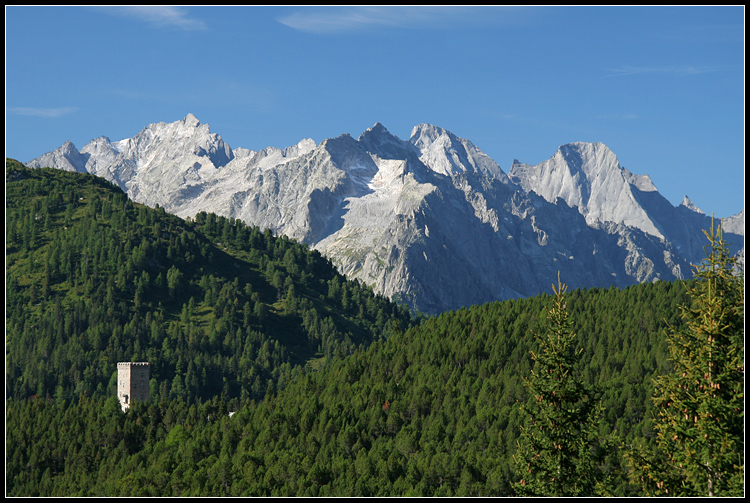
(663, 87)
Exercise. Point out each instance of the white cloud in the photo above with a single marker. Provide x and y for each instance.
(346, 19)
(43, 112)
(162, 16)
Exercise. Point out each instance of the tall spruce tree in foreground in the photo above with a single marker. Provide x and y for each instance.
(700, 423)
(554, 456)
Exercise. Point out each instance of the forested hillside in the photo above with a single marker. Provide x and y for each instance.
(238, 322)
(216, 307)
(430, 411)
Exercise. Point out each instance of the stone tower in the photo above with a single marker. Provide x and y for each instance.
(132, 382)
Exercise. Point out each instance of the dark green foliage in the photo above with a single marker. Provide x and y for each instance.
(429, 411)
(700, 425)
(337, 391)
(93, 279)
(555, 455)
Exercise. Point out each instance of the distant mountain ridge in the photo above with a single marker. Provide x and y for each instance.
(432, 220)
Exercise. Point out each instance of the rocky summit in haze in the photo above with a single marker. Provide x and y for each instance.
(431, 221)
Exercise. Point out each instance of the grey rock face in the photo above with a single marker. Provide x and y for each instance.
(449, 155)
(589, 177)
(432, 221)
(67, 157)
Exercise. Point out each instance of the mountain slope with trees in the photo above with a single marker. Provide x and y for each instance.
(395, 407)
(215, 306)
(430, 411)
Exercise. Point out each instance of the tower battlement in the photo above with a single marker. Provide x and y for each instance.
(132, 382)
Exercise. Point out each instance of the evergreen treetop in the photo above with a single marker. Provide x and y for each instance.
(700, 423)
(554, 455)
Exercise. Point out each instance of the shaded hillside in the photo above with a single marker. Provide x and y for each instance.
(215, 306)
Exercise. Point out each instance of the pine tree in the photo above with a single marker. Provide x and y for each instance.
(700, 423)
(554, 456)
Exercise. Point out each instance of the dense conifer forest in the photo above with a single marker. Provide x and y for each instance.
(336, 391)
(217, 307)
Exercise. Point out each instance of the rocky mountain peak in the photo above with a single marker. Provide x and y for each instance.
(588, 176)
(191, 121)
(380, 141)
(304, 146)
(98, 144)
(100, 151)
(66, 157)
(432, 221)
(378, 127)
(449, 155)
(378, 130)
(591, 159)
(348, 154)
(67, 150)
(687, 203)
(425, 134)
(575, 172)
(68, 146)
(184, 137)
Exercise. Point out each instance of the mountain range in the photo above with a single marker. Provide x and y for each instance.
(431, 221)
